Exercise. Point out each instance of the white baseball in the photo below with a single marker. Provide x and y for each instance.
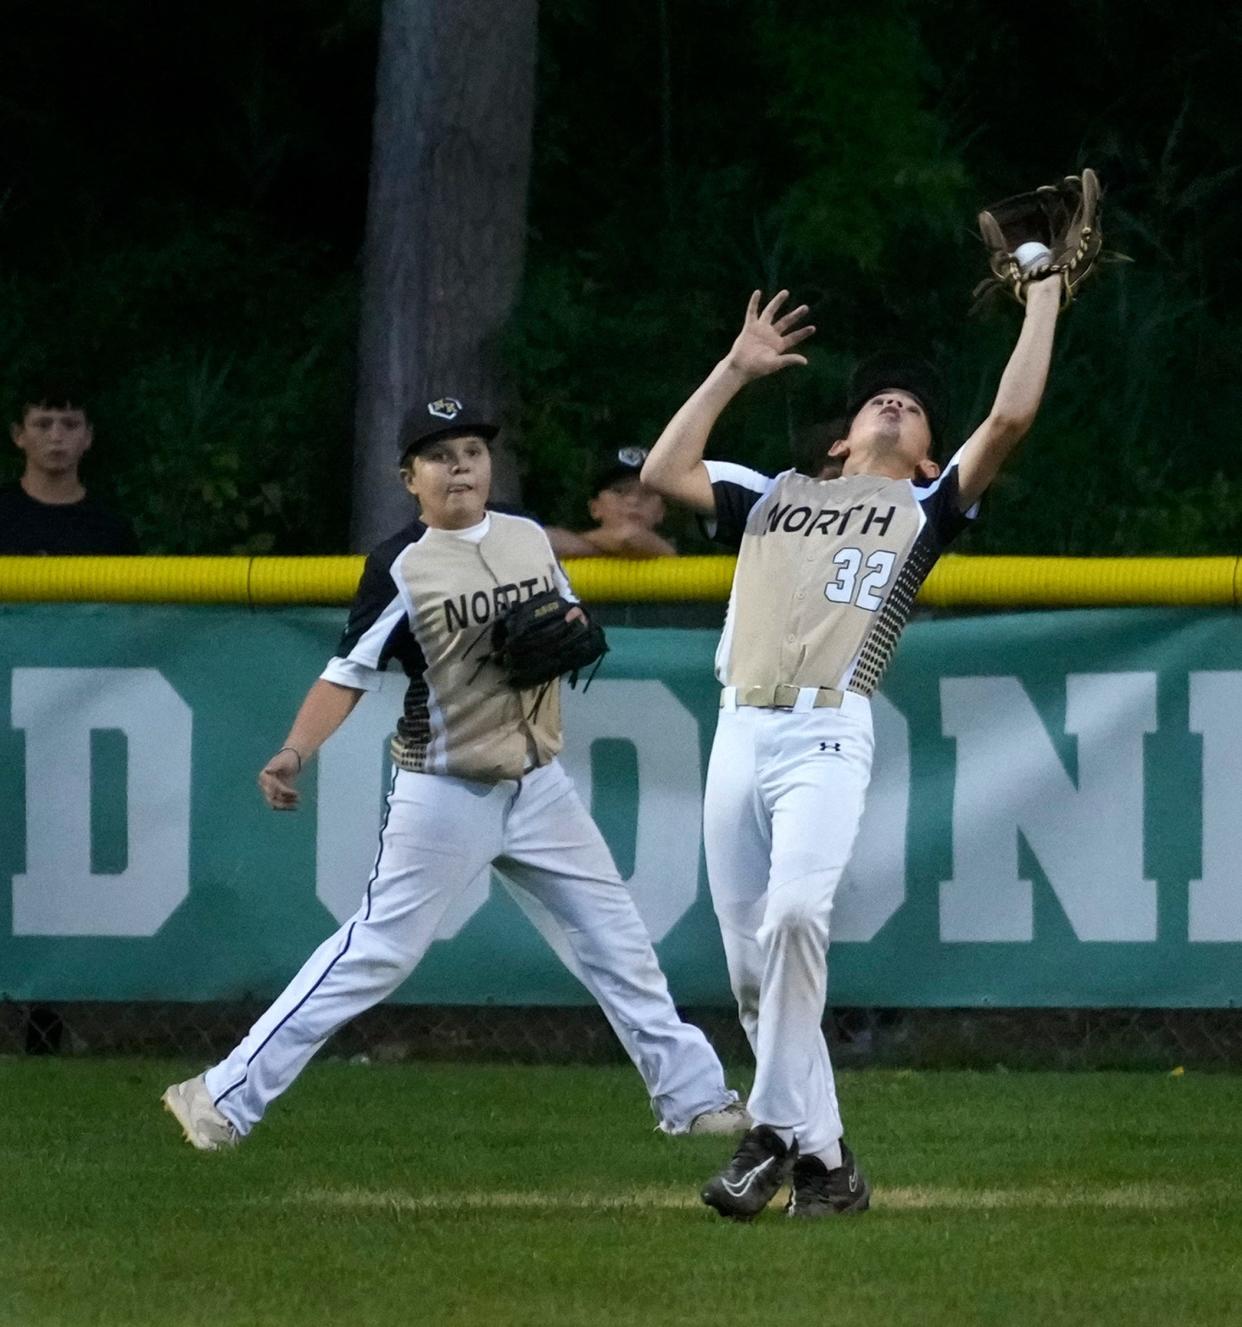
(1030, 254)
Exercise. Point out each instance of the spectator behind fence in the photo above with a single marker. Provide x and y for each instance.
(625, 511)
(48, 510)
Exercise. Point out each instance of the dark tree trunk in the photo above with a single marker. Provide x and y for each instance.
(446, 230)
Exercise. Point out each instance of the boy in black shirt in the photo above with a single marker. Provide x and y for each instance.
(48, 511)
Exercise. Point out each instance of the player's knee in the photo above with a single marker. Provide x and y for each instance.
(795, 912)
(390, 964)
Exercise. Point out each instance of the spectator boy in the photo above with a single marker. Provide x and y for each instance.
(625, 511)
(48, 510)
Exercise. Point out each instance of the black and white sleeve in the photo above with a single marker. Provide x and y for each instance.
(941, 504)
(736, 489)
(378, 628)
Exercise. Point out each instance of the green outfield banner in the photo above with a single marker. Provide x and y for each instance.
(1055, 816)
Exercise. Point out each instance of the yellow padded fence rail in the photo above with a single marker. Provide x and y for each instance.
(958, 581)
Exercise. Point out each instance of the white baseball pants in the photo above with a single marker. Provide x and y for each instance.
(785, 793)
(438, 834)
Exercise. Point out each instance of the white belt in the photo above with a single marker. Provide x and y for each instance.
(782, 696)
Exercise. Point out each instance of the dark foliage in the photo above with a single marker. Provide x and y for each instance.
(181, 199)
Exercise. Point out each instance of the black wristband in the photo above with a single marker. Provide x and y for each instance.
(296, 752)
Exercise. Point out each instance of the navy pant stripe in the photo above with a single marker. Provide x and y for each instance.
(336, 958)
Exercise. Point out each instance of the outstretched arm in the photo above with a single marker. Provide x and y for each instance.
(674, 466)
(326, 707)
(1018, 396)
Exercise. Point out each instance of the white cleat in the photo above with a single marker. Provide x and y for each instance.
(730, 1119)
(203, 1125)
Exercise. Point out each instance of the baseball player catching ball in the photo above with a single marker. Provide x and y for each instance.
(826, 576)
(475, 781)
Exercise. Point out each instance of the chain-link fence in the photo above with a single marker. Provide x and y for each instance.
(917, 1038)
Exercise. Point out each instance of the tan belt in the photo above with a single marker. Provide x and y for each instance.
(783, 696)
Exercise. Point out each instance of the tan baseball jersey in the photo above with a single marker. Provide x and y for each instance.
(428, 599)
(827, 571)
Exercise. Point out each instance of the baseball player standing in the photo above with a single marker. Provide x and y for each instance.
(475, 781)
(826, 576)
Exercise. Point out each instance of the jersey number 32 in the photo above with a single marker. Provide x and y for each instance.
(865, 591)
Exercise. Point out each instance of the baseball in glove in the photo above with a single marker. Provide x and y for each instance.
(534, 644)
(1064, 218)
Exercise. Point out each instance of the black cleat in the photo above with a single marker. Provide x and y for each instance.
(818, 1191)
(750, 1181)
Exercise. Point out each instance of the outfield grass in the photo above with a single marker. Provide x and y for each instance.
(465, 1195)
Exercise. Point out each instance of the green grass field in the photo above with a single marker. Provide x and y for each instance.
(446, 1194)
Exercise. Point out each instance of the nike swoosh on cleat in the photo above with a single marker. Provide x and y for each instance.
(743, 1186)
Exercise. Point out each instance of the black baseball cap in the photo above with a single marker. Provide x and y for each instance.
(445, 417)
(904, 373)
(617, 466)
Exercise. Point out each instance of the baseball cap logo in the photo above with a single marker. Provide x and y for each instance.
(447, 407)
(634, 456)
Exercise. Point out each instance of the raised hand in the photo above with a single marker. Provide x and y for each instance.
(764, 344)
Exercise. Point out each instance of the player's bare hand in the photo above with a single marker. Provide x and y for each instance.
(766, 342)
(575, 614)
(276, 780)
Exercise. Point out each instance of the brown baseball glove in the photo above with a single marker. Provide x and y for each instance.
(1064, 218)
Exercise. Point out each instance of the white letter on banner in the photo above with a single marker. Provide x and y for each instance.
(1010, 781)
(665, 736)
(351, 808)
(874, 884)
(1216, 898)
(59, 708)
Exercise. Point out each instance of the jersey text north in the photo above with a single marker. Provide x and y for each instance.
(483, 606)
(795, 520)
